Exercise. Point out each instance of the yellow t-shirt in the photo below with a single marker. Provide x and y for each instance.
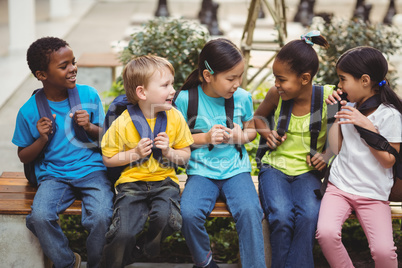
(122, 136)
(290, 156)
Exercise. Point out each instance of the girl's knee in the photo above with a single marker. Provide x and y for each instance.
(383, 254)
(328, 234)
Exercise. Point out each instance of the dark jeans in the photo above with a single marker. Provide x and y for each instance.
(135, 203)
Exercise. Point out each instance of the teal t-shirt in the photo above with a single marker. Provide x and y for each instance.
(223, 161)
(65, 157)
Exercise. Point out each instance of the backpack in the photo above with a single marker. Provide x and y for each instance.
(284, 119)
(377, 142)
(44, 111)
(116, 108)
(192, 112)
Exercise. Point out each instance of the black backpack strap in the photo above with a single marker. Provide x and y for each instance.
(229, 110)
(284, 117)
(315, 117)
(192, 110)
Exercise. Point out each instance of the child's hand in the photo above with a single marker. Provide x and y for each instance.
(355, 117)
(233, 136)
(216, 134)
(274, 140)
(44, 126)
(144, 148)
(316, 161)
(81, 117)
(162, 142)
(335, 97)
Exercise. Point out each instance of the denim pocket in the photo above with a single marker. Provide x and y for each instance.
(175, 220)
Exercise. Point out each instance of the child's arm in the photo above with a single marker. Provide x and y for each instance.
(143, 149)
(31, 152)
(177, 156)
(81, 117)
(264, 109)
(355, 117)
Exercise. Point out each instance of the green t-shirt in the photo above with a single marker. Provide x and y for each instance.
(290, 156)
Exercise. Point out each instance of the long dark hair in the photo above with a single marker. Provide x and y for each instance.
(368, 60)
(220, 54)
(301, 56)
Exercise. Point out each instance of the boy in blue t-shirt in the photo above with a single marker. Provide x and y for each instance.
(69, 168)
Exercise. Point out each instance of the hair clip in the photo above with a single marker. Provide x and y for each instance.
(208, 67)
(382, 83)
(307, 37)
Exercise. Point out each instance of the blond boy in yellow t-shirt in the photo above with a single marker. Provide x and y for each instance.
(147, 188)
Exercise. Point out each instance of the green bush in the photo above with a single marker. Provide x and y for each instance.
(178, 40)
(346, 34)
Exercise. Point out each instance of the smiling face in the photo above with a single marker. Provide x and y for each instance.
(288, 83)
(62, 70)
(159, 91)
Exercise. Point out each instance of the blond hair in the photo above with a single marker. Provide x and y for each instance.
(139, 70)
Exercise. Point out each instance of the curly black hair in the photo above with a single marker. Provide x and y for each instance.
(38, 54)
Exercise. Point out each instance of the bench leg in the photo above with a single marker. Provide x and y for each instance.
(267, 243)
(18, 246)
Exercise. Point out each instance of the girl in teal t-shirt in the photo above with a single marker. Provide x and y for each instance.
(219, 166)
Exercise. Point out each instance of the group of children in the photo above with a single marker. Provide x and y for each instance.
(152, 137)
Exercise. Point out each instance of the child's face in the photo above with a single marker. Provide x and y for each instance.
(352, 86)
(62, 69)
(287, 82)
(225, 84)
(159, 91)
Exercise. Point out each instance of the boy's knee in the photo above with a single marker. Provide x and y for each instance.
(41, 216)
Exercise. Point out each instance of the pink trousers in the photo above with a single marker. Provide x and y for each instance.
(374, 217)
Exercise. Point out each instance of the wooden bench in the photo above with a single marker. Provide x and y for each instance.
(16, 197)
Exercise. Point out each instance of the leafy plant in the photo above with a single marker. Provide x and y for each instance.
(178, 40)
(346, 34)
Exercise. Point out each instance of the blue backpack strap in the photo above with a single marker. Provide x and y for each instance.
(145, 131)
(284, 117)
(75, 104)
(44, 111)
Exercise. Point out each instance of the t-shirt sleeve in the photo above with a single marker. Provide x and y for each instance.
(22, 133)
(248, 108)
(390, 125)
(112, 141)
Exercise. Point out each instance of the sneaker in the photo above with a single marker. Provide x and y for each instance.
(77, 263)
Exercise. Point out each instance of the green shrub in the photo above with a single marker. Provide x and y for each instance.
(178, 40)
(346, 34)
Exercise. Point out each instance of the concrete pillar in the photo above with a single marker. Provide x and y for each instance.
(18, 246)
(60, 8)
(21, 24)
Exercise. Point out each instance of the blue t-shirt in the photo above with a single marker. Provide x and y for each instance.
(223, 161)
(65, 157)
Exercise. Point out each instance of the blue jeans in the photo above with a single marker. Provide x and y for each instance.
(54, 196)
(291, 207)
(197, 202)
(135, 203)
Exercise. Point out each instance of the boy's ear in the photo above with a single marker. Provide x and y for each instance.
(41, 75)
(140, 92)
(305, 78)
(206, 75)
